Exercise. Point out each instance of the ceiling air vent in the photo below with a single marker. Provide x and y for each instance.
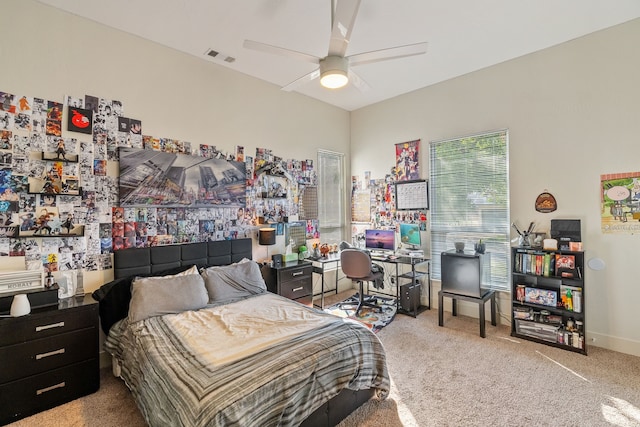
(217, 55)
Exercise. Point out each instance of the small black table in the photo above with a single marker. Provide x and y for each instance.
(489, 295)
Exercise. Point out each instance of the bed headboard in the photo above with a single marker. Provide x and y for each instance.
(114, 297)
(146, 261)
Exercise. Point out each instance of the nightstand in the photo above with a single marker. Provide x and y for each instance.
(49, 357)
(291, 280)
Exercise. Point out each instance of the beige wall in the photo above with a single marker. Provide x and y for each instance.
(48, 54)
(573, 113)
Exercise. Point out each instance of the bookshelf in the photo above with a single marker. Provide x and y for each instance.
(548, 297)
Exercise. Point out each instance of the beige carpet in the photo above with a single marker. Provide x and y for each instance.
(448, 376)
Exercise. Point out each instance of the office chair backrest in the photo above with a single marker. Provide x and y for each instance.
(355, 263)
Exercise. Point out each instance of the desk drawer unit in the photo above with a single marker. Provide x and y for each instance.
(49, 357)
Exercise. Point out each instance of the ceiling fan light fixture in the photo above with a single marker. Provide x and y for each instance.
(333, 72)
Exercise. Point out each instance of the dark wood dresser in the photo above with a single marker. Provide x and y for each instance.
(291, 280)
(48, 357)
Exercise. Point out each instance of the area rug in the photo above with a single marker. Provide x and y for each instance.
(374, 319)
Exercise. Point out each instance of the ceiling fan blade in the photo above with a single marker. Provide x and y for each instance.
(343, 17)
(302, 80)
(358, 82)
(386, 54)
(263, 47)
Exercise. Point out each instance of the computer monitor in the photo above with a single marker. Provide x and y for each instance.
(410, 236)
(380, 240)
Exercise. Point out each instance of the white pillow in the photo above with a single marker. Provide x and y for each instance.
(156, 296)
(231, 282)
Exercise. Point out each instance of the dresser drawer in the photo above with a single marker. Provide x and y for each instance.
(41, 325)
(33, 394)
(294, 289)
(295, 273)
(36, 356)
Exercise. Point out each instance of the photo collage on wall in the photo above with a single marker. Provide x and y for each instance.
(50, 196)
(60, 209)
(373, 203)
(275, 186)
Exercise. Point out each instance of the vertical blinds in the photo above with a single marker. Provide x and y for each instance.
(469, 183)
(331, 210)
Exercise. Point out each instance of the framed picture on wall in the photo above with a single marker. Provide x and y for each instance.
(151, 178)
(79, 120)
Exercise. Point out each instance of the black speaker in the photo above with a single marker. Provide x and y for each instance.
(277, 260)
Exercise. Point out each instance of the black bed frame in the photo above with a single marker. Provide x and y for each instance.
(146, 261)
(157, 259)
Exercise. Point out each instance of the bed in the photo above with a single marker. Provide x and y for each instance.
(223, 351)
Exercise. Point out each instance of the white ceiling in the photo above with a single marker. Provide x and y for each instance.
(462, 35)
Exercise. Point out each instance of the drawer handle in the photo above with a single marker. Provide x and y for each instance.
(53, 325)
(51, 353)
(297, 273)
(298, 289)
(53, 387)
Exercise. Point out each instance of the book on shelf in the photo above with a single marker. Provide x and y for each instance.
(546, 264)
(565, 265)
(534, 262)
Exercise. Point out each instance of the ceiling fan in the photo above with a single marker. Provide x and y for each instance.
(335, 69)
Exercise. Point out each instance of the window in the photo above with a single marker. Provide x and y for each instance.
(470, 199)
(331, 210)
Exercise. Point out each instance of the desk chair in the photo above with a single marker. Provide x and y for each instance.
(356, 265)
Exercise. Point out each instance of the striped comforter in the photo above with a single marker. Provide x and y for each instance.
(244, 374)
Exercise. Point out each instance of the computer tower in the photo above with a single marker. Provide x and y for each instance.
(410, 296)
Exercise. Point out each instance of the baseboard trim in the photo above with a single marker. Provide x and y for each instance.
(609, 342)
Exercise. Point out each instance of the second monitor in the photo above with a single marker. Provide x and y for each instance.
(410, 236)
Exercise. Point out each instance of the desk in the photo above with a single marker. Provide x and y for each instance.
(332, 263)
(414, 275)
(322, 265)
